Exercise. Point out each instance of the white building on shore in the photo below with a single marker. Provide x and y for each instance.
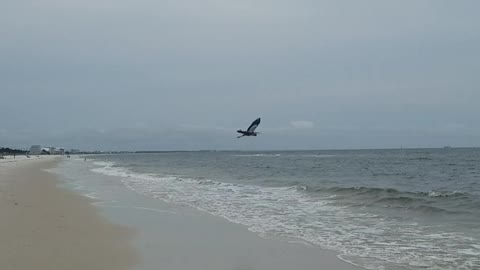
(35, 150)
(55, 150)
(58, 151)
(39, 150)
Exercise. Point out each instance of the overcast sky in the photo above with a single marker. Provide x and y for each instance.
(185, 74)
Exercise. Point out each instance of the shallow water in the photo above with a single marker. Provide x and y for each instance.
(380, 209)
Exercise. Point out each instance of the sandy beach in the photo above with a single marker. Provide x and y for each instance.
(46, 227)
(46, 223)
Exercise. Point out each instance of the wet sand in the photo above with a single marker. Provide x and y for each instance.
(45, 227)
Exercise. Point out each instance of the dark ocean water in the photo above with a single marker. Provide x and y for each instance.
(380, 209)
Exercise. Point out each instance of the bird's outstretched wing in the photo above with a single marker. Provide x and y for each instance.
(254, 125)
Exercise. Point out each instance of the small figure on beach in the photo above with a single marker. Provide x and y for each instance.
(251, 129)
(85, 159)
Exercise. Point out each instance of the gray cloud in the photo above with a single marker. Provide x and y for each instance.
(182, 74)
(302, 124)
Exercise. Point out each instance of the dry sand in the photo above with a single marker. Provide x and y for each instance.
(45, 227)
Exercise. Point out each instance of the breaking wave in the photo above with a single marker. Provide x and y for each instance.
(314, 216)
(428, 202)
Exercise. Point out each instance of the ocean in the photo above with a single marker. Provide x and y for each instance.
(379, 209)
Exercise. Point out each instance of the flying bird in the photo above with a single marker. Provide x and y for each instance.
(251, 129)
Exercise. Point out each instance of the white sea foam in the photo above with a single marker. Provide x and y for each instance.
(285, 155)
(257, 155)
(91, 195)
(106, 164)
(444, 194)
(362, 239)
(316, 156)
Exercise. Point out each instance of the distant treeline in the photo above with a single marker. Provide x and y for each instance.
(9, 151)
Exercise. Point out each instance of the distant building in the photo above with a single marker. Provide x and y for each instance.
(55, 150)
(35, 150)
(74, 151)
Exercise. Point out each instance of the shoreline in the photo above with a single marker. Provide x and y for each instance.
(176, 237)
(58, 214)
(44, 226)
